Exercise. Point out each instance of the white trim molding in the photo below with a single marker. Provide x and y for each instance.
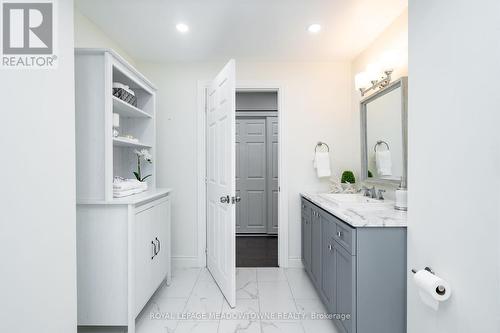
(283, 260)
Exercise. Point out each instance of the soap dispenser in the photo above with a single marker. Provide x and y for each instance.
(401, 202)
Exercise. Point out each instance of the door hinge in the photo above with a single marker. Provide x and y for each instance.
(206, 180)
(206, 251)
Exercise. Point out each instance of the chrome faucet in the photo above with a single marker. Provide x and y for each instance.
(369, 192)
(372, 192)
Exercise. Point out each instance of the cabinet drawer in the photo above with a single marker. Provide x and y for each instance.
(346, 236)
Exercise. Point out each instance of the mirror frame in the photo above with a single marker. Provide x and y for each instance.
(403, 84)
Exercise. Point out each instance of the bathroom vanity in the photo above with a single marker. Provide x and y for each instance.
(356, 259)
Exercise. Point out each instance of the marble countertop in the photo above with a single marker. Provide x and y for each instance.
(363, 217)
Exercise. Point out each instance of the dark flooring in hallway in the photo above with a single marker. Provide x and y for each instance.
(257, 251)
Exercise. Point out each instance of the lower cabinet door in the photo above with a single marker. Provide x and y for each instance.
(316, 248)
(144, 256)
(152, 249)
(306, 242)
(160, 234)
(328, 264)
(345, 291)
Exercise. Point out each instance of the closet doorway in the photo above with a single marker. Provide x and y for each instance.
(257, 179)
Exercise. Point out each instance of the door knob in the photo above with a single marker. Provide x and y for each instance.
(224, 199)
(236, 199)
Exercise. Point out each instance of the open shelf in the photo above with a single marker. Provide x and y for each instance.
(125, 109)
(123, 142)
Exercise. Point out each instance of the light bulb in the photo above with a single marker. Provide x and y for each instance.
(374, 72)
(361, 81)
(182, 27)
(391, 60)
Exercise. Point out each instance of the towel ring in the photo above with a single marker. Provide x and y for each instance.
(380, 142)
(320, 145)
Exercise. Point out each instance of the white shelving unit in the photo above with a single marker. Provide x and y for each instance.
(123, 245)
(100, 156)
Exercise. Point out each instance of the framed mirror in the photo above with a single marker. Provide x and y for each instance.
(384, 139)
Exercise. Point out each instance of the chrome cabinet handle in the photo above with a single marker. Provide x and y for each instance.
(154, 250)
(159, 245)
(329, 247)
(339, 233)
(224, 199)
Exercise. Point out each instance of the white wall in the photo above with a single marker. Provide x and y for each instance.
(454, 161)
(317, 106)
(37, 199)
(88, 34)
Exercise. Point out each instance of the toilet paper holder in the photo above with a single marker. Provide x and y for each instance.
(428, 269)
(440, 290)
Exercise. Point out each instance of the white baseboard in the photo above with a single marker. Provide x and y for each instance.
(185, 262)
(295, 263)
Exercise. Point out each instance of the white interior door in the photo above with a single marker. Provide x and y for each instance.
(221, 188)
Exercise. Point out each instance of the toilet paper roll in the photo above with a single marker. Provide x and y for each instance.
(432, 288)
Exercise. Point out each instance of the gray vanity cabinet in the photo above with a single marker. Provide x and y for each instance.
(360, 272)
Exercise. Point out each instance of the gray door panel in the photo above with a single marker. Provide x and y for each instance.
(328, 228)
(344, 286)
(251, 175)
(316, 248)
(272, 174)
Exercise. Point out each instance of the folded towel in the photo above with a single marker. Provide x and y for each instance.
(322, 164)
(383, 160)
(126, 193)
(128, 184)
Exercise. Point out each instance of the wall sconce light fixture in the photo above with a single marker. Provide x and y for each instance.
(378, 75)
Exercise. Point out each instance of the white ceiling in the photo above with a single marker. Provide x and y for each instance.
(251, 30)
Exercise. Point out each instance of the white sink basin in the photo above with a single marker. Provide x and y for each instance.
(355, 201)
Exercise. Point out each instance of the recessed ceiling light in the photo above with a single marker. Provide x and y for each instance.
(314, 28)
(182, 28)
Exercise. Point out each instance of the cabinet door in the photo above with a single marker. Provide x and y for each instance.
(144, 256)
(160, 233)
(306, 242)
(316, 248)
(345, 291)
(328, 262)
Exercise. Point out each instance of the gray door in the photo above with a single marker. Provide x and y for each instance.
(272, 174)
(251, 175)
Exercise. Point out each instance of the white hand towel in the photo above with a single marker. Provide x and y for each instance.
(322, 164)
(384, 162)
